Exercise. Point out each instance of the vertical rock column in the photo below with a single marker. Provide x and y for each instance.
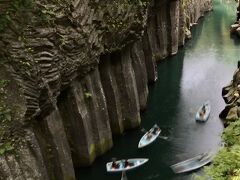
(54, 147)
(151, 32)
(31, 159)
(99, 113)
(182, 24)
(139, 67)
(150, 60)
(110, 87)
(174, 16)
(57, 132)
(27, 163)
(83, 108)
(76, 121)
(126, 82)
(162, 28)
(167, 20)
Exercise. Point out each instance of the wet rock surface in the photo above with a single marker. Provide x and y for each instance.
(230, 94)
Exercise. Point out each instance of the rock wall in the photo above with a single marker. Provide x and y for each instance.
(81, 72)
(230, 94)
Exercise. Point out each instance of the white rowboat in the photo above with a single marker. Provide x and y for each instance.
(121, 166)
(193, 163)
(149, 136)
(202, 117)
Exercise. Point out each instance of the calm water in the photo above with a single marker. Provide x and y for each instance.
(196, 74)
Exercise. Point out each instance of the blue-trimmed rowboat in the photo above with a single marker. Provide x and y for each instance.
(121, 166)
(201, 116)
(193, 163)
(149, 136)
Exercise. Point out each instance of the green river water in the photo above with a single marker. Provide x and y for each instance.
(196, 74)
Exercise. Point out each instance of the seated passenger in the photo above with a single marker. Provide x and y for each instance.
(127, 163)
(115, 165)
(204, 109)
(149, 135)
(156, 129)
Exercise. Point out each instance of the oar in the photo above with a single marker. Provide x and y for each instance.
(163, 137)
(124, 175)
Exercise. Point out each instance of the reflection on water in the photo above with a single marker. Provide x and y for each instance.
(196, 74)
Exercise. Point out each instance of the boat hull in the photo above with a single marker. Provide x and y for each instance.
(133, 163)
(193, 163)
(205, 117)
(144, 141)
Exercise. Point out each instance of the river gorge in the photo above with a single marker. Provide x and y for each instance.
(82, 87)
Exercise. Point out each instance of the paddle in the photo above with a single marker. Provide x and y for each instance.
(124, 175)
(160, 137)
(163, 137)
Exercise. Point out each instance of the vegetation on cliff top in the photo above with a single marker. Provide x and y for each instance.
(15, 10)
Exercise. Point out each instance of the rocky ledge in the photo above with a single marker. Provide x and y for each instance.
(230, 94)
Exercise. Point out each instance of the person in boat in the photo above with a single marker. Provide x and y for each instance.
(155, 129)
(115, 165)
(149, 135)
(203, 111)
(127, 163)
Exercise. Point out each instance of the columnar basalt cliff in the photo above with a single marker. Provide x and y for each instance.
(75, 73)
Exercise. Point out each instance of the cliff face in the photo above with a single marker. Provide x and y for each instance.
(77, 73)
(230, 94)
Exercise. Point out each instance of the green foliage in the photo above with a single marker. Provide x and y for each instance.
(87, 95)
(231, 134)
(225, 164)
(202, 177)
(6, 147)
(46, 16)
(15, 9)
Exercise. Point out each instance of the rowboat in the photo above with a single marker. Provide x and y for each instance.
(201, 116)
(193, 163)
(149, 136)
(121, 165)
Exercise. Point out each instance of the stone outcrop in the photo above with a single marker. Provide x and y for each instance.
(230, 94)
(235, 28)
(78, 74)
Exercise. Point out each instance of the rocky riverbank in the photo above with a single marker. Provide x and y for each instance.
(230, 94)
